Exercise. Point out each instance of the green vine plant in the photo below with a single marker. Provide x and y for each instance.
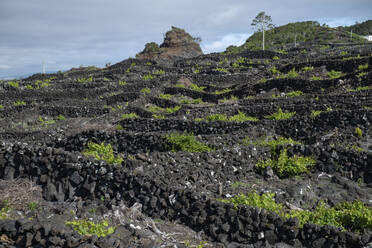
(285, 166)
(280, 115)
(349, 216)
(87, 227)
(186, 142)
(102, 152)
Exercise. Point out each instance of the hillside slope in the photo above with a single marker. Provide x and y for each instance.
(309, 31)
(364, 28)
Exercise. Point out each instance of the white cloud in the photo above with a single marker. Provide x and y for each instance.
(225, 41)
(4, 67)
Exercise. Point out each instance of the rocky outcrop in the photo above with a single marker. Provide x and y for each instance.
(177, 44)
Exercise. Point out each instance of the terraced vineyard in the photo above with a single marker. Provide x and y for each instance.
(256, 149)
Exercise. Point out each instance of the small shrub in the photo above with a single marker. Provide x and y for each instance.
(32, 206)
(343, 53)
(241, 117)
(180, 86)
(303, 51)
(262, 80)
(19, 103)
(121, 83)
(159, 72)
(61, 117)
(145, 91)
(219, 92)
(186, 142)
(172, 110)
(13, 84)
(273, 70)
(119, 127)
(147, 77)
(1, 106)
(276, 58)
(363, 67)
(271, 142)
(354, 148)
(361, 74)
(334, 74)
(197, 101)
(286, 166)
(315, 113)
(349, 216)
(358, 132)
(315, 78)
(166, 96)
(292, 73)
(294, 93)
(129, 116)
(282, 51)
(4, 209)
(360, 88)
(154, 109)
(46, 122)
(84, 80)
(87, 227)
(158, 116)
(307, 68)
(102, 152)
(195, 87)
(280, 115)
(265, 201)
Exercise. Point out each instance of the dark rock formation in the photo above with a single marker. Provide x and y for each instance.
(177, 44)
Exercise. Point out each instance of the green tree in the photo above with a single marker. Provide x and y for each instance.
(262, 22)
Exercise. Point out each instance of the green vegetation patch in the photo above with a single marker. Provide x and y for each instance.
(186, 142)
(87, 227)
(166, 96)
(358, 132)
(271, 142)
(4, 210)
(159, 72)
(219, 92)
(239, 117)
(363, 67)
(46, 122)
(334, 74)
(147, 77)
(280, 115)
(349, 216)
(19, 103)
(145, 91)
(129, 116)
(307, 68)
(360, 88)
(286, 166)
(289, 94)
(315, 113)
(84, 80)
(13, 84)
(195, 87)
(102, 152)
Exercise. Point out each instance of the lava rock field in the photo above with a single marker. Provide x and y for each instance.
(161, 197)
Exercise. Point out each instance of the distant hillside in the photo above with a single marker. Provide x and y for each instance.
(309, 31)
(364, 28)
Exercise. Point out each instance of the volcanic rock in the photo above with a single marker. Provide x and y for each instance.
(177, 44)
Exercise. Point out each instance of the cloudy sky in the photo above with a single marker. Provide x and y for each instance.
(70, 33)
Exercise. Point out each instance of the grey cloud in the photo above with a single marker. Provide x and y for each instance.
(74, 32)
